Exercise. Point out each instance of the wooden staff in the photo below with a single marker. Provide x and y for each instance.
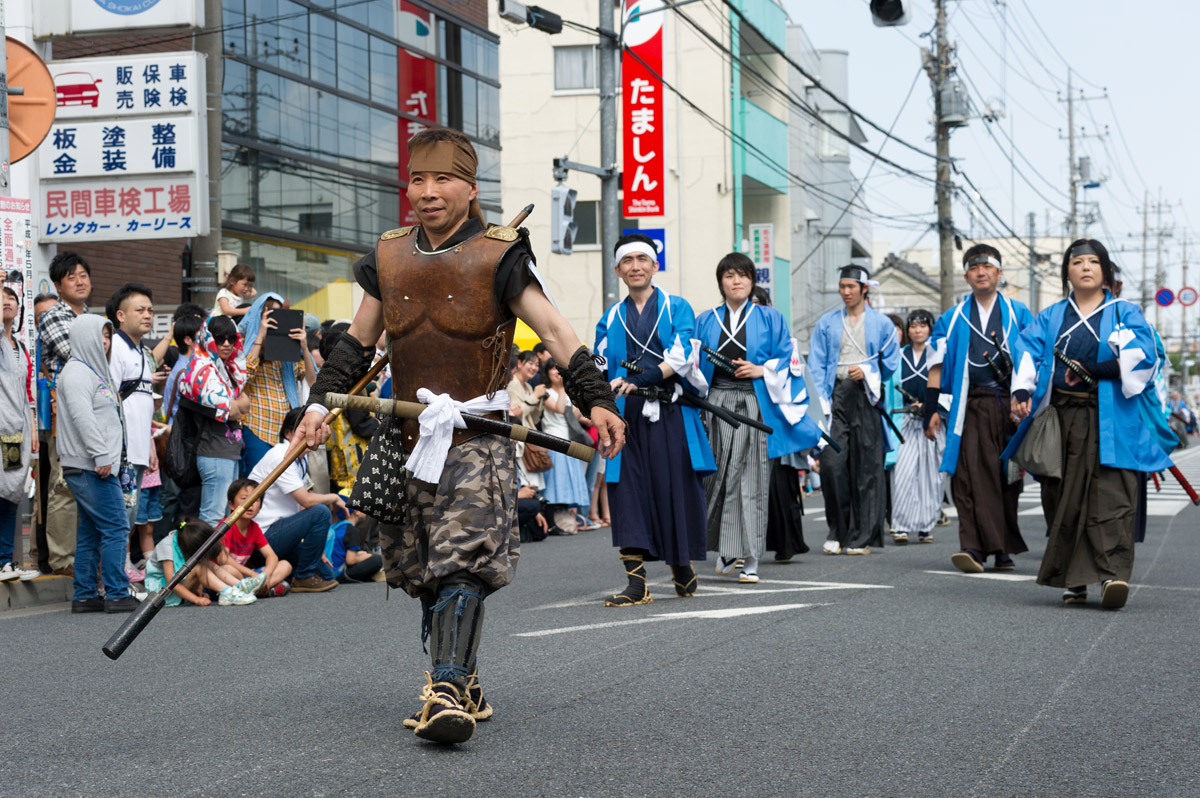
(142, 616)
(492, 426)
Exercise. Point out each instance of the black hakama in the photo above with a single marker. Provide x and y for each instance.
(658, 505)
(853, 480)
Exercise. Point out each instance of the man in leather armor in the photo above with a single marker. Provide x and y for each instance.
(448, 292)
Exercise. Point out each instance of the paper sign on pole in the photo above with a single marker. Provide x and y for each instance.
(762, 252)
(16, 258)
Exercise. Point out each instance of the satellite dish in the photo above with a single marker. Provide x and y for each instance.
(31, 114)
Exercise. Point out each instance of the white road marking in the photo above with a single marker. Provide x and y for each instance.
(1003, 577)
(1154, 509)
(732, 612)
(708, 589)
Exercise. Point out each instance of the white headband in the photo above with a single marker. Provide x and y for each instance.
(856, 273)
(988, 259)
(637, 246)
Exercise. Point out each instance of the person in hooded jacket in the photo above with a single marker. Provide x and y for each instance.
(91, 435)
(212, 385)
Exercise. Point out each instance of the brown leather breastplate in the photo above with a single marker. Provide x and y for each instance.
(446, 331)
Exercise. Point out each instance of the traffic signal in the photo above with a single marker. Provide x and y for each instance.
(562, 219)
(536, 17)
(885, 13)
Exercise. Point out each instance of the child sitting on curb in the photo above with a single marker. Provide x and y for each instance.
(245, 541)
(345, 548)
(175, 549)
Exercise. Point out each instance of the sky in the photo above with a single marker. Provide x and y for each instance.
(1142, 54)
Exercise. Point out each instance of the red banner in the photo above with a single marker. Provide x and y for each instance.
(417, 86)
(643, 109)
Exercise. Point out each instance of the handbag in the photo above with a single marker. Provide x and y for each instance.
(536, 459)
(179, 461)
(1041, 451)
(381, 484)
(576, 432)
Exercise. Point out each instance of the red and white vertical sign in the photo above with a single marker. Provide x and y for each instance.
(416, 84)
(16, 260)
(643, 109)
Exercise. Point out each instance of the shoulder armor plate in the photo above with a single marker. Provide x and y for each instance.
(399, 232)
(501, 233)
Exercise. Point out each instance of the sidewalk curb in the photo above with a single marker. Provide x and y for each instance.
(35, 593)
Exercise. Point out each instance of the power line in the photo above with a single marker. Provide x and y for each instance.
(1011, 233)
(818, 85)
(1009, 158)
(1053, 47)
(789, 97)
(858, 190)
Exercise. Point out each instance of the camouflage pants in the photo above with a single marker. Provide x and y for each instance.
(466, 522)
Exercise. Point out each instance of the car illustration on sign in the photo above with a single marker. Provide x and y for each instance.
(77, 88)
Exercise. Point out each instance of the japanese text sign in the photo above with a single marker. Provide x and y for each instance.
(644, 168)
(139, 146)
(16, 258)
(762, 252)
(163, 83)
(127, 155)
(128, 208)
(54, 18)
(417, 86)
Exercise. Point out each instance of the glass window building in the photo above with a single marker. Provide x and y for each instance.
(319, 98)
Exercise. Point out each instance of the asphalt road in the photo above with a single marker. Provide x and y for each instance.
(889, 674)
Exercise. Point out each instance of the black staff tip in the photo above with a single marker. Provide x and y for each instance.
(131, 628)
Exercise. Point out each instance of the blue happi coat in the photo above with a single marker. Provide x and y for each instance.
(882, 360)
(677, 331)
(1125, 441)
(948, 347)
(781, 393)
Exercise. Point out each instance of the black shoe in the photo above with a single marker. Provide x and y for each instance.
(127, 604)
(87, 605)
(1004, 563)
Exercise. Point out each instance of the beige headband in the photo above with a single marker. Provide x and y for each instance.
(443, 157)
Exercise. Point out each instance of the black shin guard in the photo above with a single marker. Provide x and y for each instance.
(454, 623)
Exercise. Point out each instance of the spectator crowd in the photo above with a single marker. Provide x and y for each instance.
(144, 445)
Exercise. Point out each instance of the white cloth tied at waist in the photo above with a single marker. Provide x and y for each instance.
(652, 409)
(438, 422)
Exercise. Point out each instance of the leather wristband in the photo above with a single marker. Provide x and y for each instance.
(347, 363)
(586, 385)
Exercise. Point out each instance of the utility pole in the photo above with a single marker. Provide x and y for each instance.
(1033, 292)
(1145, 239)
(1071, 158)
(1158, 269)
(610, 182)
(5, 170)
(1072, 163)
(948, 277)
(1183, 311)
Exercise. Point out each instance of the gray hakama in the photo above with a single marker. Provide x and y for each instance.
(737, 491)
(917, 484)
